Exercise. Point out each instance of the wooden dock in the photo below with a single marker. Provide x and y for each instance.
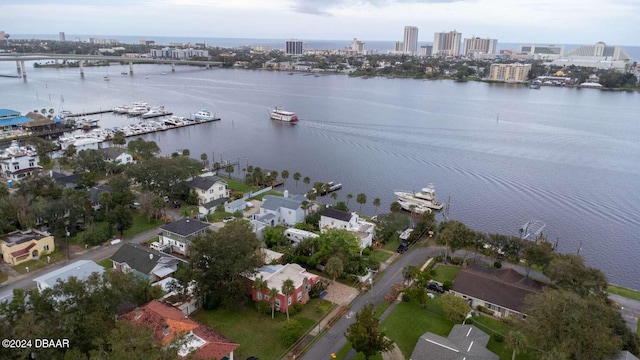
(90, 113)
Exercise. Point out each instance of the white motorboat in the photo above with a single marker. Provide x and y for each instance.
(204, 115)
(425, 198)
(282, 115)
(156, 112)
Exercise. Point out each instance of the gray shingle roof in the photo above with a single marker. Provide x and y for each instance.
(204, 183)
(272, 202)
(112, 153)
(464, 342)
(506, 287)
(213, 203)
(95, 192)
(185, 227)
(336, 214)
(142, 259)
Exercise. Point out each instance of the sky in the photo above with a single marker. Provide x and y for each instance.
(616, 22)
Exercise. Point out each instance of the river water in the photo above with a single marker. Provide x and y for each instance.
(503, 154)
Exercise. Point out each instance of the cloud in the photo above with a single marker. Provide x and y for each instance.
(325, 7)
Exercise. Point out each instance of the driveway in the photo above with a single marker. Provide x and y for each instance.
(630, 310)
(340, 294)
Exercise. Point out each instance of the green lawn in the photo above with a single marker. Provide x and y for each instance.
(240, 325)
(106, 263)
(270, 192)
(392, 244)
(622, 291)
(347, 347)
(445, 273)
(39, 263)
(238, 185)
(141, 224)
(493, 326)
(381, 256)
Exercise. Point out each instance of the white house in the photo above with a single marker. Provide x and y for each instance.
(17, 162)
(211, 191)
(337, 219)
(179, 234)
(296, 235)
(80, 269)
(117, 155)
(281, 210)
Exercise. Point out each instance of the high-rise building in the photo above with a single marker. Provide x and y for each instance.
(3, 35)
(356, 48)
(476, 45)
(547, 52)
(447, 43)
(62, 37)
(410, 40)
(600, 51)
(294, 47)
(516, 72)
(426, 50)
(399, 46)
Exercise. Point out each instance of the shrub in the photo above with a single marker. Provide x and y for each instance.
(483, 309)
(497, 264)
(317, 289)
(295, 308)
(447, 285)
(498, 338)
(291, 332)
(263, 307)
(456, 260)
(366, 251)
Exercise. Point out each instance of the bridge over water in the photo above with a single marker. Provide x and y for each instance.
(22, 70)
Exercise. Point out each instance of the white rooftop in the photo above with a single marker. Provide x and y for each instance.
(80, 269)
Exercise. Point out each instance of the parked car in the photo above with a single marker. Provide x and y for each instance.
(176, 204)
(434, 286)
(402, 248)
(135, 205)
(227, 219)
(166, 199)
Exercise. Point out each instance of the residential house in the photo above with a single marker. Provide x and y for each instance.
(20, 246)
(117, 156)
(18, 162)
(94, 195)
(211, 191)
(145, 262)
(276, 275)
(281, 210)
(80, 270)
(465, 342)
(169, 323)
(179, 234)
(296, 235)
(499, 290)
(68, 181)
(337, 219)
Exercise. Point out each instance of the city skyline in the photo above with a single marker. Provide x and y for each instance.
(569, 22)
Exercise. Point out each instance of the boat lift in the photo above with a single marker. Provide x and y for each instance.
(532, 231)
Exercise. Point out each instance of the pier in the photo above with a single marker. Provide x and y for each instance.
(90, 113)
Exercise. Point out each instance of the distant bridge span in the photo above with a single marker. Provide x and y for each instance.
(21, 58)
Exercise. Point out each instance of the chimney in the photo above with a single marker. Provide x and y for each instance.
(138, 313)
(165, 329)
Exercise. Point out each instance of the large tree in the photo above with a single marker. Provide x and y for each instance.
(581, 328)
(163, 175)
(538, 254)
(567, 271)
(455, 307)
(287, 290)
(365, 335)
(334, 267)
(143, 150)
(221, 260)
(361, 199)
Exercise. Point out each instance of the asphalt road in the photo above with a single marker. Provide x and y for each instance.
(333, 340)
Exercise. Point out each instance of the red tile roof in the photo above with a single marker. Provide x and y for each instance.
(23, 251)
(156, 315)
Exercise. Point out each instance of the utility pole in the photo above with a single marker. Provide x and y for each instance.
(68, 251)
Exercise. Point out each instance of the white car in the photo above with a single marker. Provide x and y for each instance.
(227, 219)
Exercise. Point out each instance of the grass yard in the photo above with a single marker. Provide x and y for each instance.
(381, 256)
(493, 326)
(347, 347)
(622, 291)
(270, 192)
(141, 224)
(407, 322)
(392, 244)
(258, 334)
(106, 263)
(39, 263)
(445, 273)
(238, 185)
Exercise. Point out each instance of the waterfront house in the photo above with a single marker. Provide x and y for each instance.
(117, 156)
(281, 210)
(276, 275)
(18, 162)
(144, 262)
(463, 342)
(499, 290)
(20, 246)
(169, 324)
(81, 270)
(179, 234)
(337, 219)
(211, 191)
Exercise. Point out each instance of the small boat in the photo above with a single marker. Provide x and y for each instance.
(164, 73)
(204, 115)
(124, 73)
(106, 78)
(282, 115)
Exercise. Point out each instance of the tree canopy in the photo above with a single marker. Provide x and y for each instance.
(365, 335)
(162, 175)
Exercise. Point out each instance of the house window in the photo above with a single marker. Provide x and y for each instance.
(299, 296)
(32, 164)
(266, 297)
(258, 295)
(278, 304)
(210, 191)
(220, 188)
(289, 300)
(46, 248)
(16, 167)
(492, 307)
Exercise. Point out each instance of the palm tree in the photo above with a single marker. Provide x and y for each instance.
(203, 157)
(287, 291)
(304, 205)
(273, 296)
(296, 177)
(376, 203)
(285, 176)
(334, 196)
(260, 285)
(306, 180)
(516, 341)
(349, 197)
(395, 207)
(361, 199)
(229, 169)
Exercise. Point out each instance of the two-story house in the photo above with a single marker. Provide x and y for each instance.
(20, 246)
(337, 219)
(179, 234)
(17, 162)
(281, 210)
(117, 156)
(145, 262)
(94, 195)
(211, 191)
(276, 275)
